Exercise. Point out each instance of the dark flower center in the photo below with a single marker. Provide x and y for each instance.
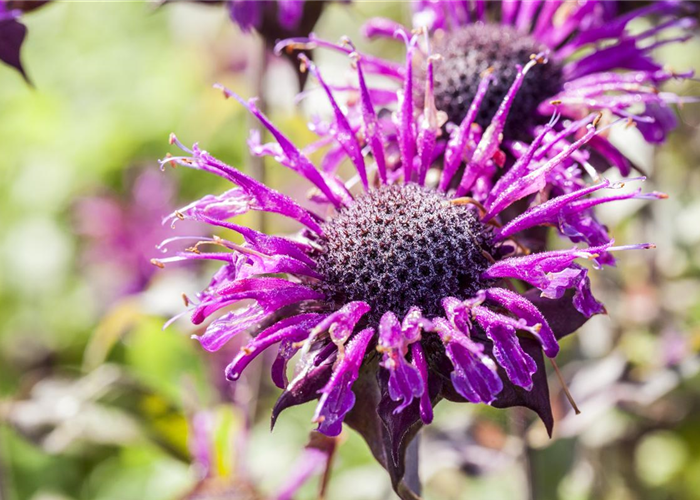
(468, 51)
(401, 246)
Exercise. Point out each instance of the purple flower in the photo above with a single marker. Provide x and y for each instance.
(597, 62)
(286, 14)
(277, 19)
(213, 482)
(13, 32)
(122, 235)
(397, 293)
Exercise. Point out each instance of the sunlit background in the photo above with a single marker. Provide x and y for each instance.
(96, 399)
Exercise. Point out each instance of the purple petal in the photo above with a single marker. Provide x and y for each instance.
(545, 213)
(493, 135)
(278, 370)
(526, 14)
(251, 195)
(381, 27)
(372, 130)
(533, 181)
(374, 64)
(526, 310)
(342, 131)
(235, 322)
(247, 15)
(265, 243)
(294, 329)
(664, 120)
(429, 126)
(405, 380)
(12, 35)
(583, 298)
(404, 117)
(539, 269)
(425, 406)
(223, 329)
(405, 383)
(337, 397)
(341, 323)
(289, 13)
(294, 158)
(506, 349)
(475, 375)
(454, 154)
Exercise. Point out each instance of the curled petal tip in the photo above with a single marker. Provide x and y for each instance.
(345, 41)
(539, 58)
(487, 72)
(596, 120)
(223, 89)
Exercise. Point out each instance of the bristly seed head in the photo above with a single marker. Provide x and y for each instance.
(469, 51)
(401, 246)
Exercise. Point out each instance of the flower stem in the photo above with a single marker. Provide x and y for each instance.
(411, 478)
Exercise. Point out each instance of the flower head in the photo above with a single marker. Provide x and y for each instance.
(585, 71)
(401, 294)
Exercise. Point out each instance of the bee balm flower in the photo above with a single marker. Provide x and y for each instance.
(598, 61)
(398, 293)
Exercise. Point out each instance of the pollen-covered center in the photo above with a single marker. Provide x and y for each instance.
(401, 246)
(468, 51)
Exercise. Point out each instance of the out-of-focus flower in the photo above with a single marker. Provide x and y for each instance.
(400, 295)
(596, 62)
(215, 484)
(273, 19)
(13, 32)
(122, 234)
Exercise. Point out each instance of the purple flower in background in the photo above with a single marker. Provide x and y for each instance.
(213, 483)
(273, 19)
(285, 14)
(597, 62)
(276, 19)
(121, 235)
(398, 293)
(13, 32)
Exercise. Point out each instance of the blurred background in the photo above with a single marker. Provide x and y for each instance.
(98, 402)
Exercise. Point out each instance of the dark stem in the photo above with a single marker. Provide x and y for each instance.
(411, 478)
(5, 478)
(325, 479)
(520, 428)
